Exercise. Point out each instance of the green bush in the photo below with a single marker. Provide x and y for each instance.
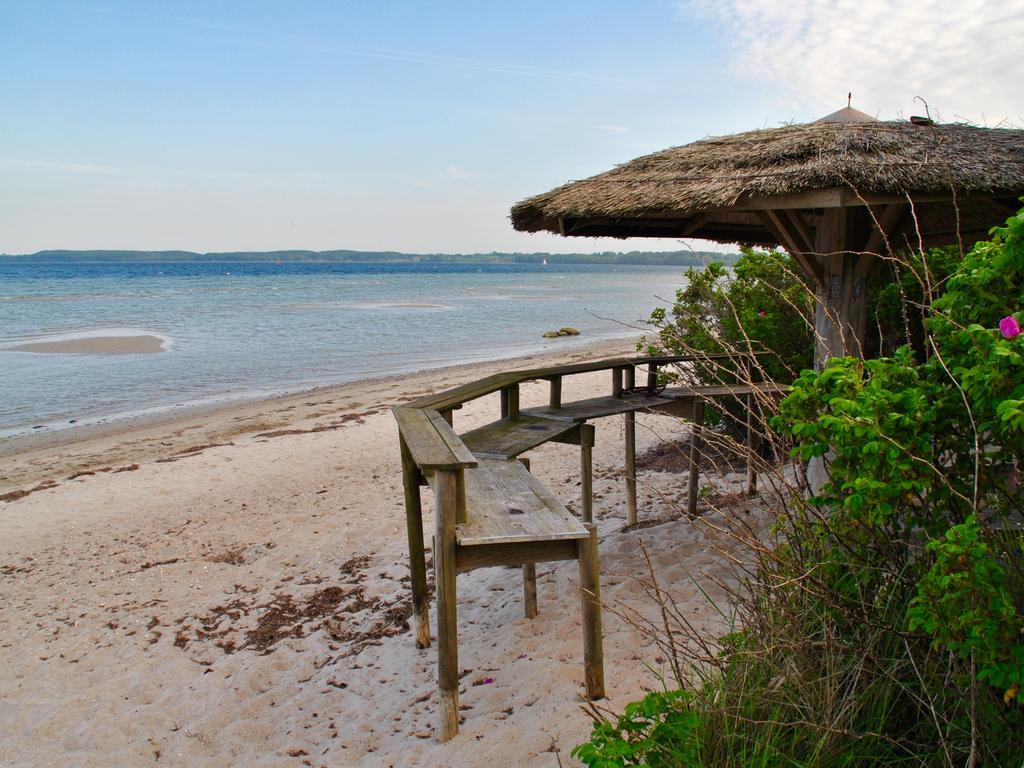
(762, 305)
(885, 625)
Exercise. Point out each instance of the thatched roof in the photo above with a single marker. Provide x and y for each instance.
(719, 188)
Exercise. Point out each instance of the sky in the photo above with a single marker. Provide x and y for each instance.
(414, 126)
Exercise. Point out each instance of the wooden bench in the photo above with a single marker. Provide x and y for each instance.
(488, 512)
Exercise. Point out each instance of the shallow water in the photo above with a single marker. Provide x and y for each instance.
(245, 330)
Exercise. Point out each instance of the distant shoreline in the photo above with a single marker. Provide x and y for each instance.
(631, 258)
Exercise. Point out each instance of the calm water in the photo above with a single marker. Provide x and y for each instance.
(243, 330)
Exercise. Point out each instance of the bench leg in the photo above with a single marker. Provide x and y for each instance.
(530, 590)
(447, 627)
(587, 471)
(753, 443)
(695, 445)
(590, 597)
(417, 559)
(631, 469)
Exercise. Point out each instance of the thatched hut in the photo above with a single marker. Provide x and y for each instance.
(835, 193)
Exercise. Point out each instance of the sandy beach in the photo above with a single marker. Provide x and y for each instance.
(229, 588)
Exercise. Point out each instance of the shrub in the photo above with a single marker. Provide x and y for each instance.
(763, 305)
(884, 622)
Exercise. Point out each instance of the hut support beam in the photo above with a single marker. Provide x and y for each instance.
(840, 314)
(794, 239)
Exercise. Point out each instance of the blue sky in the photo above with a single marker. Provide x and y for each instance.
(414, 126)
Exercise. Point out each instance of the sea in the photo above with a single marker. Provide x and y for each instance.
(249, 330)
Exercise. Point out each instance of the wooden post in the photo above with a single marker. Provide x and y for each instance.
(652, 378)
(695, 446)
(839, 315)
(510, 402)
(630, 378)
(555, 400)
(529, 573)
(587, 472)
(460, 496)
(616, 382)
(590, 594)
(753, 443)
(530, 590)
(447, 416)
(447, 625)
(417, 559)
(630, 468)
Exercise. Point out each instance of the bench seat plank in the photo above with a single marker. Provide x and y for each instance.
(506, 504)
(505, 439)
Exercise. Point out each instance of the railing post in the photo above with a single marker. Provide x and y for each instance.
(652, 378)
(616, 382)
(695, 446)
(510, 402)
(555, 400)
(417, 559)
(587, 472)
(753, 446)
(630, 417)
(447, 623)
(590, 598)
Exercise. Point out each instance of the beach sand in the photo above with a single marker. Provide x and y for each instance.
(230, 588)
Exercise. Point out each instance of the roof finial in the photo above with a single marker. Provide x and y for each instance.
(849, 98)
(927, 119)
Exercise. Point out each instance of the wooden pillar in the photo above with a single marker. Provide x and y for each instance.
(629, 384)
(529, 573)
(616, 382)
(840, 314)
(695, 446)
(510, 402)
(530, 590)
(590, 598)
(447, 625)
(587, 472)
(417, 559)
(460, 496)
(652, 377)
(555, 399)
(753, 444)
(630, 468)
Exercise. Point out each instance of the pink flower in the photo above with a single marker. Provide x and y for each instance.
(761, 313)
(1009, 327)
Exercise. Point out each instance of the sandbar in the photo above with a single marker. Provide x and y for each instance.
(95, 345)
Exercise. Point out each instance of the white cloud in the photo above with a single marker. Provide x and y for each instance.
(963, 56)
(619, 129)
(458, 172)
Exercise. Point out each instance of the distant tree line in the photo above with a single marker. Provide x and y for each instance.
(657, 258)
